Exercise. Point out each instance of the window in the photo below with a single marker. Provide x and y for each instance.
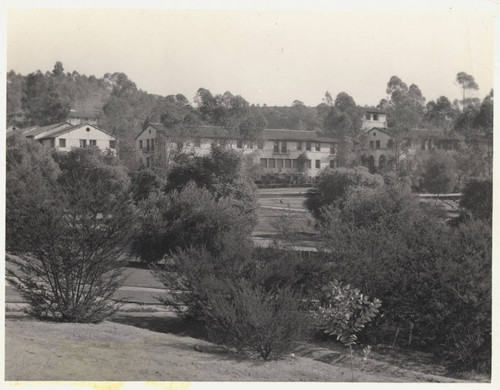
(283, 147)
(93, 142)
(318, 164)
(368, 116)
(279, 163)
(197, 142)
(62, 142)
(308, 146)
(294, 163)
(374, 134)
(83, 143)
(250, 145)
(147, 146)
(299, 145)
(308, 164)
(148, 162)
(52, 142)
(390, 143)
(140, 144)
(333, 149)
(318, 147)
(153, 144)
(112, 144)
(239, 144)
(332, 163)
(276, 147)
(372, 145)
(377, 144)
(272, 163)
(263, 162)
(288, 163)
(149, 133)
(375, 117)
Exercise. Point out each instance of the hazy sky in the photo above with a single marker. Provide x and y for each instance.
(271, 57)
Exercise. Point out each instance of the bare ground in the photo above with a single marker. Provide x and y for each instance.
(159, 347)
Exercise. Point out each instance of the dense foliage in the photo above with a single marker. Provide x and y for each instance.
(68, 236)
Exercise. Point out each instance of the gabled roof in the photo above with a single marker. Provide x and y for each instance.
(35, 131)
(381, 129)
(60, 131)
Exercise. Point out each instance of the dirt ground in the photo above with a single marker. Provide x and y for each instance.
(158, 347)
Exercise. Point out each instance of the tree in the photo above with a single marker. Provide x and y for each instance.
(58, 69)
(440, 114)
(70, 240)
(477, 199)
(333, 186)
(41, 101)
(468, 84)
(439, 174)
(405, 106)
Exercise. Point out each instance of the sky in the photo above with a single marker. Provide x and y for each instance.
(269, 57)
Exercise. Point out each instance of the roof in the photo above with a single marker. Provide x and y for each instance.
(56, 132)
(430, 134)
(269, 134)
(381, 129)
(375, 111)
(37, 130)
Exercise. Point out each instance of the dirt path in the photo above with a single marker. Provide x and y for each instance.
(113, 351)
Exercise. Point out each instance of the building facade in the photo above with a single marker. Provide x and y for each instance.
(278, 151)
(64, 136)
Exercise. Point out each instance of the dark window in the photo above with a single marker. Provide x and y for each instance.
(333, 149)
(375, 117)
(52, 142)
(299, 145)
(263, 162)
(372, 145)
(272, 163)
(308, 164)
(83, 143)
(318, 164)
(308, 146)
(93, 142)
(288, 163)
(276, 147)
(148, 162)
(390, 143)
(318, 146)
(140, 144)
(239, 144)
(280, 163)
(368, 116)
(377, 144)
(62, 142)
(283, 147)
(112, 144)
(153, 144)
(147, 146)
(294, 163)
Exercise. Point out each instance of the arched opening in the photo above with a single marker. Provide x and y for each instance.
(371, 164)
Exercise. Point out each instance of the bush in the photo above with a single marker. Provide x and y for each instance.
(70, 238)
(477, 199)
(253, 319)
(434, 279)
(191, 217)
(332, 187)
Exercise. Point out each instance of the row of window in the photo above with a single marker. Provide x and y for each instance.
(376, 144)
(83, 143)
(150, 144)
(290, 163)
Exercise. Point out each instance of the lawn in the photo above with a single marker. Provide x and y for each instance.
(160, 347)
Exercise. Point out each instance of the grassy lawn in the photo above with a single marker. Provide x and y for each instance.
(160, 347)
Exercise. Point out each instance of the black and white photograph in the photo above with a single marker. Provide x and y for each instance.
(259, 193)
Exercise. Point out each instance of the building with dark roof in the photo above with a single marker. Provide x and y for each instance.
(276, 152)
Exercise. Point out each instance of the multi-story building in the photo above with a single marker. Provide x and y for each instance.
(278, 151)
(64, 136)
(374, 118)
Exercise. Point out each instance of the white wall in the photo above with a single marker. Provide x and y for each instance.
(73, 138)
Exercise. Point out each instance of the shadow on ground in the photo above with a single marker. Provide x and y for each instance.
(162, 324)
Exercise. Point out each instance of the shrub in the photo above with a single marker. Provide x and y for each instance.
(191, 217)
(253, 319)
(477, 199)
(434, 279)
(332, 187)
(70, 243)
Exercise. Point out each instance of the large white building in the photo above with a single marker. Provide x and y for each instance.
(65, 136)
(278, 151)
